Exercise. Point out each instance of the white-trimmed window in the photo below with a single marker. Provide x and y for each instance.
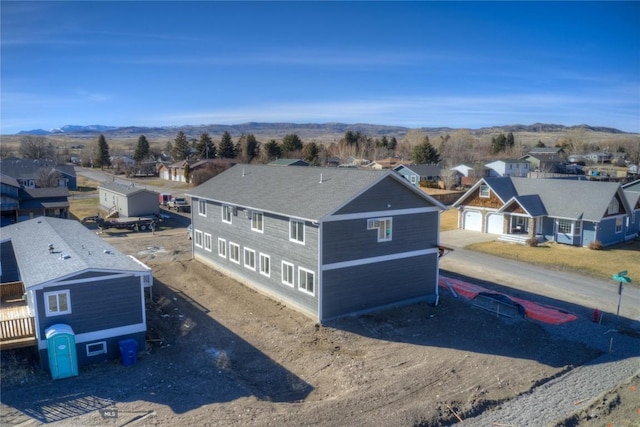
(96, 348)
(202, 208)
(619, 225)
(265, 265)
(227, 212)
(296, 231)
(250, 259)
(257, 222)
(287, 273)
(234, 252)
(197, 238)
(207, 242)
(222, 248)
(306, 280)
(485, 191)
(57, 303)
(384, 227)
(567, 226)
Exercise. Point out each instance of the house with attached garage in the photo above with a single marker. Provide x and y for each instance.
(57, 275)
(573, 212)
(422, 175)
(327, 241)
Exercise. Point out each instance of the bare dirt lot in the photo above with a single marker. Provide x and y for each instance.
(221, 354)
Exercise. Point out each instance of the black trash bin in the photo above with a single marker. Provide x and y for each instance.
(128, 351)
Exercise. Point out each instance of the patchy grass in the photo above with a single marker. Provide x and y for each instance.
(600, 263)
(449, 220)
(84, 201)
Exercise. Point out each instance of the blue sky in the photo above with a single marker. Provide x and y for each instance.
(414, 64)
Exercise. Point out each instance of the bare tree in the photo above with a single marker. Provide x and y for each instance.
(48, 178)
(35, 147)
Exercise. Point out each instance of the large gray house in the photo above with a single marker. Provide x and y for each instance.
(329, 242)
(58, 275)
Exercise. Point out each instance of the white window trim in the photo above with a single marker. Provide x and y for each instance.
(253, 217)
(228, 208)
(268, 258)
(222, 248)
(619, 227)
(378, 224)
(484, 187)
(57, 313)
(207, 239)
(198, 239)
(102, 350)
(293, 272)
(302, 270)
(234, 245)
(202, 208)
(248, 258)
(291, 239)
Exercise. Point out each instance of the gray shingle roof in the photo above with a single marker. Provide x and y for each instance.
(294, 192)
(563, 198)
(123, 189)
(82, 248)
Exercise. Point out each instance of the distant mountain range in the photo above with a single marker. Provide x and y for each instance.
(281, 129)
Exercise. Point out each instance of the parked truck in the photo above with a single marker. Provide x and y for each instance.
(164, 198)
(179, 204)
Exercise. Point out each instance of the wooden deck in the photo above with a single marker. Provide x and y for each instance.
(17, 326)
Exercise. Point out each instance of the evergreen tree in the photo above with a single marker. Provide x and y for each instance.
(142, 149)
(498, 143)
(310, 153)
(226, 149)
(424, 153)
(393, 143)
(168, 148)
(291, 143)
(272, 150)
(102, 158)
(181, 147)
(205, 147)
(510, 140)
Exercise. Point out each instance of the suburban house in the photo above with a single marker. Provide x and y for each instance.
(421, 175)
(31, 173)
(9, 199)
(289, 162)
(469, 175)
(34, 202)
(509, 167)
(127, 200)
(20, 204)
(573, 212)
(58, 275)
(388, 163)
(543, 162)
(327, 241)
(174, 171)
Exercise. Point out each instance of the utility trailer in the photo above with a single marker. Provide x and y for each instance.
(133, 224)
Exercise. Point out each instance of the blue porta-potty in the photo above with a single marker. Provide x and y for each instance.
(61, 349)
(128, 351)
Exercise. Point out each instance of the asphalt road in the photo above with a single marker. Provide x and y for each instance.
(579, 294)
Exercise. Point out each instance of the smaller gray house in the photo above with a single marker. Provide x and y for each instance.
(57, 274)
(128, 200)
(421, 175)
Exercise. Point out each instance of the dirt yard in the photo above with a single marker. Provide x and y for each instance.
(221, 354)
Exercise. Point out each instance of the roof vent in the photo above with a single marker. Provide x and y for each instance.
(50, 248)
(320, 179)
(64, 256)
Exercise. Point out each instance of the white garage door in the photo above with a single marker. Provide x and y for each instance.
(473, 221)
(495, 224)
